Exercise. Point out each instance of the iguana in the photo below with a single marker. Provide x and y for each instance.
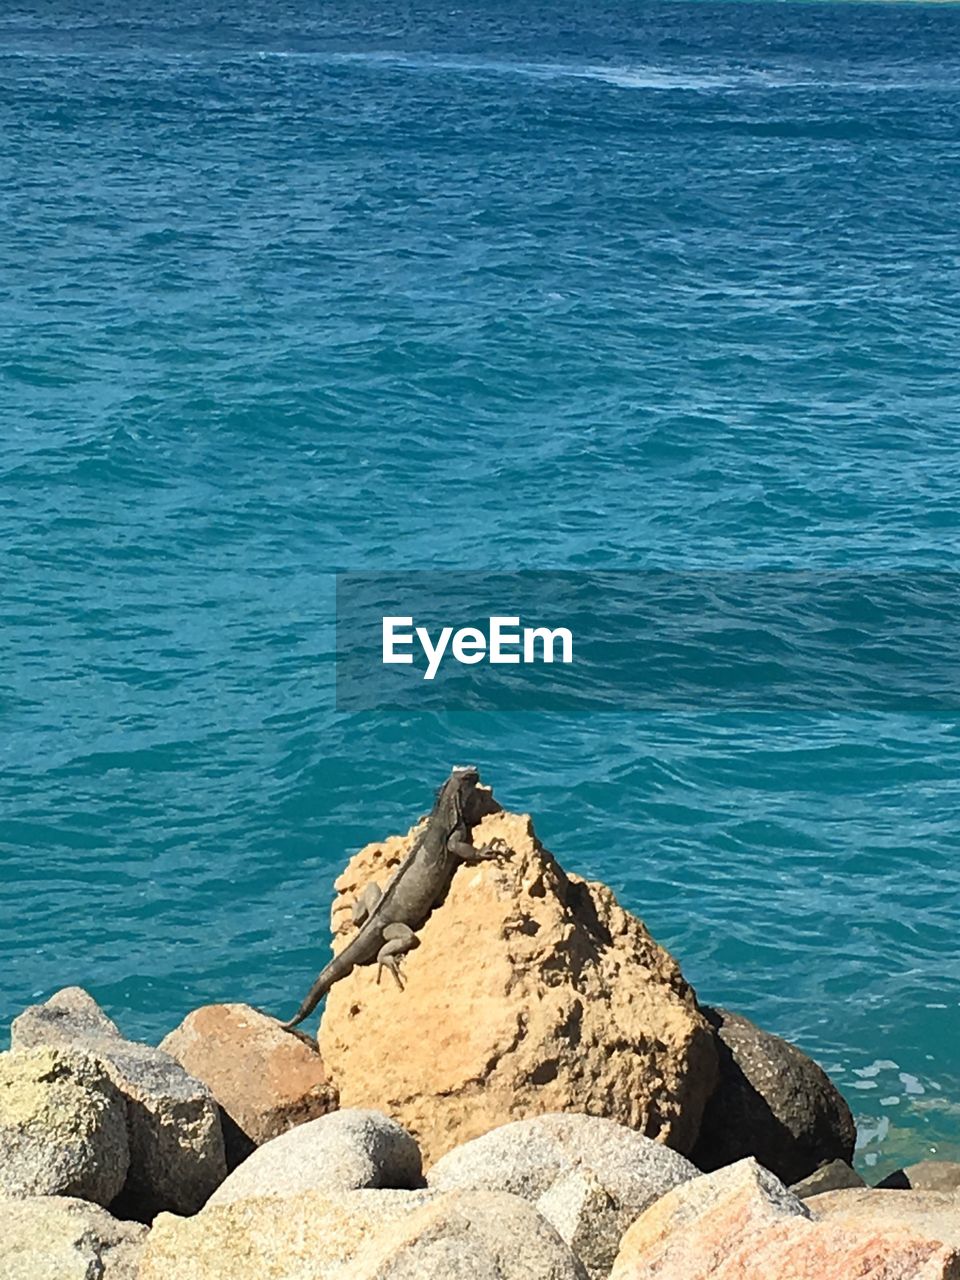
(388, 918)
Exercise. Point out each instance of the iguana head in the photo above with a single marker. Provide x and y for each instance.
(455, 792)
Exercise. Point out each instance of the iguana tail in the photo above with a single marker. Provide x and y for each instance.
(338, 968)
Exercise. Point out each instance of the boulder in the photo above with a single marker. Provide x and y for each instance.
(835, 1176)
(311, 1236)
(589, 1177)
(56, 1238)
(691, 1231)
(772, 1102)
(339, 1152)
(468, 1235)
(531, 991)
(173, 1123)
(928, 1175)
(935, 1214)
(265, 1079)
(741, 1223)
(63, 1127)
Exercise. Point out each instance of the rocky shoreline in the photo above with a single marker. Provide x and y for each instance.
(546, 1099)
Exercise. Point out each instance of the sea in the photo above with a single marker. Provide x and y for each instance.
(288, 289)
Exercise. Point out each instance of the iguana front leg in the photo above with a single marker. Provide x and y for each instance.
(471, 855)
(398, 939)
(364, 905)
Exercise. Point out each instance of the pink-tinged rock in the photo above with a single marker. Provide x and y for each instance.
(928, 1175)
(691, 1231)
(934, 1214)
(265, 1079)
(742, 1224)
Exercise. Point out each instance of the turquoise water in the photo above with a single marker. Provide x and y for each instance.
(286, 289)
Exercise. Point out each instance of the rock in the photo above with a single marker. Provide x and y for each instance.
(772, 1102)
(56, 1238)
(173, 1123)
(741, 1223)
(689, 1232)
(928, 1175)
(935, 1214)
(531, 991)
(835, 1176)
(590, 1178)
(63, 1127)
(265, 1079)
(468, 1235)
(339, 1152)
(311, 1236)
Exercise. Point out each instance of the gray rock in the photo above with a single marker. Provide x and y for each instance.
(343, 1151)
(173, 1123)
(589, 1177)
(468, 1235)
(928, 1175)
(772, 1102)
(63, 1127)
(57, 1238)
(835, 1176)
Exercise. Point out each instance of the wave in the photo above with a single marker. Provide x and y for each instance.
(650, 77)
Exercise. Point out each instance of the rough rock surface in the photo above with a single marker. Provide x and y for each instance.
(772, 1102)
(63, 1127)
(741, 1223)
(930, 1213)
(589, 1177)
(56, 1238)
(468, 1235)
(531, 991)
(265, 1079)
(312, 1236)
(928, 1175)
(694, 1228)
(343, 1151)
(835, 1176)
(173, 1122)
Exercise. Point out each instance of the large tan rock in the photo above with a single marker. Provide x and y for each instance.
(173, 1123)
(58, 1238)
(63, 1127)
(531, 991)
(741, 1223)
(265, 1079)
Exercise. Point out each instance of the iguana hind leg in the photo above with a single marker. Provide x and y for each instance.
(364, 905)
(398, 939)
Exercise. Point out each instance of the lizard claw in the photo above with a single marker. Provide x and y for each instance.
(391, 963)
(497, 848)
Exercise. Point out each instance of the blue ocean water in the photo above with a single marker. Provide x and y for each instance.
(286, 289)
